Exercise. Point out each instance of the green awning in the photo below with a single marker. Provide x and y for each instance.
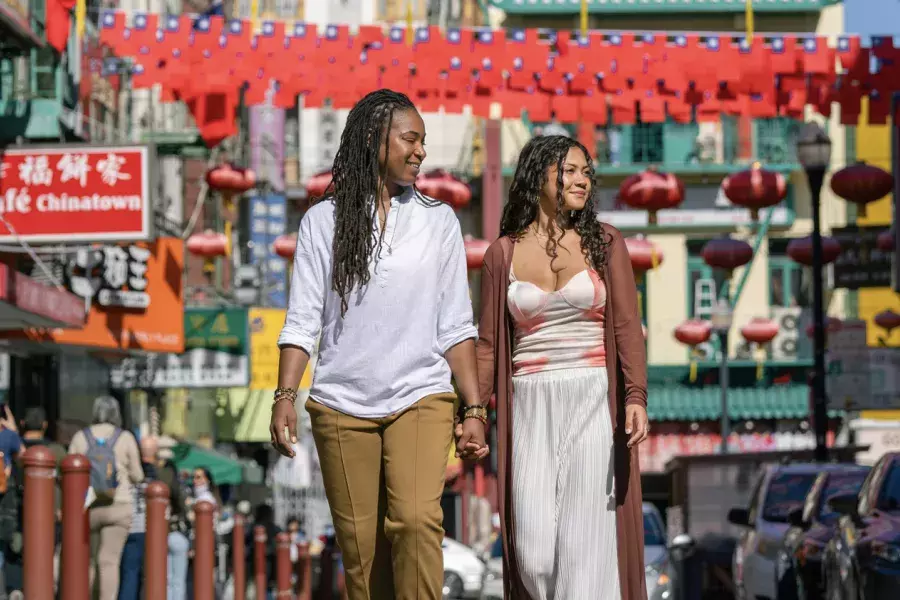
(224, 469)
(703, 403)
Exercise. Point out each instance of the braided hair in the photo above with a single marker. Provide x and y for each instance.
(538, 155)
(357, 177)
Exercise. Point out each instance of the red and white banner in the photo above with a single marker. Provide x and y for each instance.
(75, 194)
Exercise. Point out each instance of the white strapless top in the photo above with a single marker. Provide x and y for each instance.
(561, 329)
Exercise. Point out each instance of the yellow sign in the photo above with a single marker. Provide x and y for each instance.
(265, 325)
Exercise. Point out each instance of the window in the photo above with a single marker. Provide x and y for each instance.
(43, 73)
(775, 141)
(786, 492)
(789, 282)
(701, 286)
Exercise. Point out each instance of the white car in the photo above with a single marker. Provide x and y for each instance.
(493, 574)
(463, 571)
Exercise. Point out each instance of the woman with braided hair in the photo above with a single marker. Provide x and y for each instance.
(560, 344)
(380, 281)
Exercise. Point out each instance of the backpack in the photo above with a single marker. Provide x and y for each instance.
(104, 475)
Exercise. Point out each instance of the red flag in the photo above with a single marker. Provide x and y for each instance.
(59, 22)
(593, 108)
(565, 108)
(623, 107)
(818, 58)
(112, 28)
(653, 108)
(784, 56)
(850, 98)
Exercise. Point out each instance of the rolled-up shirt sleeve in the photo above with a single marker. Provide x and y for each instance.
(455, 321)
(303, 322)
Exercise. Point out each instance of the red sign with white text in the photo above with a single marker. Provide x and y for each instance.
(75, 194)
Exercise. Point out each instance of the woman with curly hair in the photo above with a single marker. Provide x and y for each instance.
(380, 280)
(560, 345)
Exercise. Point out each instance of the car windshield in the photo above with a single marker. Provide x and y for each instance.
(889, 496)
(839, 484)
(654, 535)
(786, 492)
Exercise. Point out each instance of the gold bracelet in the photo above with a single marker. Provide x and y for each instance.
(476, 412)
(285, 394)
(280, 398)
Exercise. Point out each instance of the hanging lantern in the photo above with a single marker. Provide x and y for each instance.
(208, 245)
(652, 191)
(761, 332)
(318, 184)
(887, 320)
(644, 254)
(886, 242)
(727, 253)
(229, 179)
(693, 332)
(755, 189)
(831, 325)
(443, 186)
(801, 250)
(285, 246)
(861, 184)
(475, 251)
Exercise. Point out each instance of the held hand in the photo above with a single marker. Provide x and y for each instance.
(284, 416)
(637, 425)
(7, 420)
(470, 440)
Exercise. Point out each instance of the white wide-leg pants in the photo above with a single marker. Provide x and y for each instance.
(562, 491)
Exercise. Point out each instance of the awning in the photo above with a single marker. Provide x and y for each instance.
(25, 302)
(703, 403)
(224, 469)
(14, 20)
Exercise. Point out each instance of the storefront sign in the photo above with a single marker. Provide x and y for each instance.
(265, 326)
(76, 193)
(111, 275)
(216, 342)
(155, 326)
(267, 145)
(267, 222)
(46, 301)
(861, 264)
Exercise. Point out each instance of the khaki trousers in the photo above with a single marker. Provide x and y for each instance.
(109, 530)
(384, 479)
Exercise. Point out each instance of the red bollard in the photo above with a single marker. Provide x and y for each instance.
(204, 551)
(283, 565)
(238, 558)
(76, 561)
(304, 572)
(326, 574)
(40, 522)
(156, 542)
(259, 561)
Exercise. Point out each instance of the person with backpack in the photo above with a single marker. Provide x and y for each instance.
(115, 470)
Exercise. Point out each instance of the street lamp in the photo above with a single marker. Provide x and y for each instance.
(814, 153)
(722, 317)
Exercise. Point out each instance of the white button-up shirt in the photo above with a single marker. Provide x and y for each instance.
(387, 351)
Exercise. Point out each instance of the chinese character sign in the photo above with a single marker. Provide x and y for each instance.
(75, 194)
(268, 216)
(111, 275)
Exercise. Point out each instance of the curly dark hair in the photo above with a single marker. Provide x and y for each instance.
(356, 178)
(538, 155)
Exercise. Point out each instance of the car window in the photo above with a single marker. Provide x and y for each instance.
(839, 484)
(889, 495)
(786, 492)
(654, 533)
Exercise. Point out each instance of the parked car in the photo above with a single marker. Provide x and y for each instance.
(779, 489)
(798, 574)
(463, 571)
(863, 559)
(493, 573)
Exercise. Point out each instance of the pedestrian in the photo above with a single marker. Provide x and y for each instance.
(570, 384)
(10, 502)
(115, 470)
(131, 575)
(380, 280)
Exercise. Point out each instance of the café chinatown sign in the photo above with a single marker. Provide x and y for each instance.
(79, 193)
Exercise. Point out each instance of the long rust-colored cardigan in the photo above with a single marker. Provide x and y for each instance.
(626, 364)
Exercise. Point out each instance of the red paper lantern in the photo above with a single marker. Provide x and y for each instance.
(760, 330)
(755, 189)
(801, 250)
(652, 191)
(227, 178)
(208, 244)
(318, 184)
(727, 253)
(861, 184)
(286, 246)
(443, 186)
(475, 251)
(888, 320)
(644, 254)
(693, 332)
(831, 325)
(886, 242)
